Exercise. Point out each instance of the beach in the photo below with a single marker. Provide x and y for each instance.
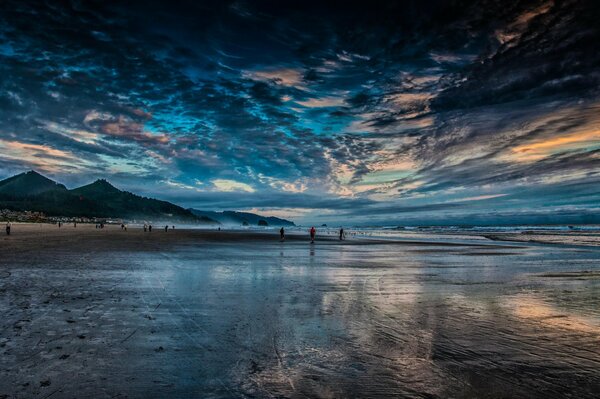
(205, 313)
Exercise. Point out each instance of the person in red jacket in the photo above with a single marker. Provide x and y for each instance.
(313, 232)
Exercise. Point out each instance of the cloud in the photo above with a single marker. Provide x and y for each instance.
(540, 149)
(398, 108)
(231, 185)
(322, 102)
(41, 157)
(126, 129)
(291, 77)
(482, 197)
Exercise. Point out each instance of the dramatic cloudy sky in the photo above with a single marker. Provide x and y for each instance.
(381, 112)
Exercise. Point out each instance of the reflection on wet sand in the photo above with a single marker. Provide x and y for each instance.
(535, 310)
(266, 319)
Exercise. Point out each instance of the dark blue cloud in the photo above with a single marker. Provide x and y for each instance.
(379, 109)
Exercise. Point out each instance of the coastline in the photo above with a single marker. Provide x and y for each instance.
(112, 313)
(113, 237)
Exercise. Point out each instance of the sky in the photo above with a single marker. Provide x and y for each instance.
(380, 112)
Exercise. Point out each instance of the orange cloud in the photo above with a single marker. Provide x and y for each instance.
(515, 29)
(322, 102)
(39, 156)
(283, 76)
(541, 149)
(126, 128)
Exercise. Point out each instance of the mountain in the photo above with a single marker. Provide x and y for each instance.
(97, 189)
(238, 218)
(28, 184)
(116, 202)
(33, 192)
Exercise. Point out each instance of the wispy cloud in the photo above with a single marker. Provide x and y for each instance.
(292, 77)
(231, 185)
(376, 110)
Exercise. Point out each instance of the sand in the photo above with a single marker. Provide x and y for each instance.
(566, 238)
(182, 314)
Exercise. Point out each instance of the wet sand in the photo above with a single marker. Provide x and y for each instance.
(188, 314)
(568, 238)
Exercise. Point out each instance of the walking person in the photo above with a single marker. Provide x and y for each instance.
(313, 232)
(166, 228)
(8, 224)
(342, 235)
(282, 234)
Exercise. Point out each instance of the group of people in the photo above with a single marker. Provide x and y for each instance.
(148, 227)
(313, 233)
(74, 224)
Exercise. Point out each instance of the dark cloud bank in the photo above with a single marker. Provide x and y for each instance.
(407, 112)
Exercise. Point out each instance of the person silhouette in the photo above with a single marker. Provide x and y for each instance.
(313, 232)
(282, 234)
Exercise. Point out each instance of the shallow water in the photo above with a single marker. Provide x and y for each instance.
(298, 320)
